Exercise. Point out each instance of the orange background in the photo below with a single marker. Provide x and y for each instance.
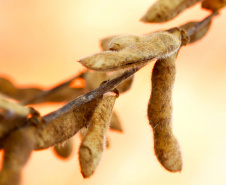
(40, 42)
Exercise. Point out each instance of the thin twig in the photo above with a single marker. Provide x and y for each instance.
(110, 85)
(201, 24)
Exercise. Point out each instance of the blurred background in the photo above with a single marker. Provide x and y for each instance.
(40, 42)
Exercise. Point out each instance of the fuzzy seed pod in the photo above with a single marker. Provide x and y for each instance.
(165, 10)
(84, 131)
(9, 89)
(64, 150)
(17, 149)
(104, 43)
(115, 123)
(213, 4)
(118, 42)
(166, 146)
(197, 35)
(66, 125)
(159, 45)
(124, 41)
(92, 145)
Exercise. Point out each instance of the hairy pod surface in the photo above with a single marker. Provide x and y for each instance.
(17, 149)
(92, 145)
(115, 123)
(124, 41)
(64, 150)
(104, 43)
(166, 145)
(159, 45)
(84, 131)
(65, 126)
(213, 4)
(165, 10)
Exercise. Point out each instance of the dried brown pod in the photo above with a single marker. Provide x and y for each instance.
(17, 149)
(124, 41)
(59, 127)
(165, 10)
(166, 146)
(60, 93)
(104, 43)
(115, 123)
(213, 4)
(9, 89)
(7, 124)
(84, 131)
(92, 145)
(64, 150)
(159, 45)
(10, 122)
(118, 42)
(197, 35)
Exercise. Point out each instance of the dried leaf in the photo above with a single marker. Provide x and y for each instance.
(165, 10)
(166, 146)
(92, 145)
(64, 150)
(213, 4)
(160, 45)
